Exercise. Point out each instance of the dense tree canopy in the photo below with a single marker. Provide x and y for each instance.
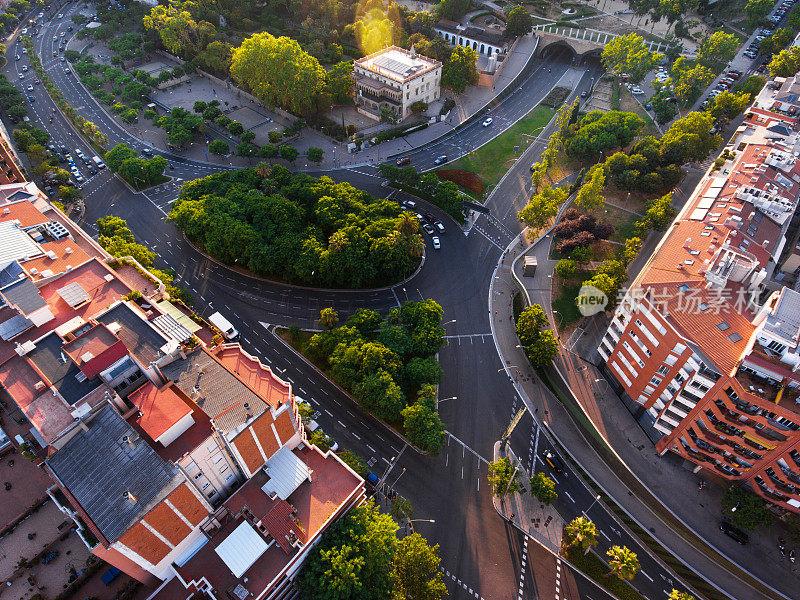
(386, 364)
(542, 207)
(360, 558)
(519, 22)
(785, 63)
(299, 228)
(279, 73)
(718, 49)
(629, 54)
(537, 340)
(599, 132)
(180, 33)
(460, 70)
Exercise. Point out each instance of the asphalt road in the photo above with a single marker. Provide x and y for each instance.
(481, 554)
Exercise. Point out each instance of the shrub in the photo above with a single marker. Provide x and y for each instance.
(268, 151)
(236, 128)
(314, 154)
(288, 153)
(223, 121)
(274, 137)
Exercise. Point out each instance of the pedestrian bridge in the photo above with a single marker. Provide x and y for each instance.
(582, 41)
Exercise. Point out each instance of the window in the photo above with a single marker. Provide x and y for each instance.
(679, 348)
(222, 469)
(723, 326)
(656, 381)
(776, 347)
(206, 485)
(734, 337)
(683, 287)
(211, 494)
(671, 359)
(218, 458)
(663, 370)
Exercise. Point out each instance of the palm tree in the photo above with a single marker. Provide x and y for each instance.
(416, 245)
(407, 224)
(623, 562)
(581, 532)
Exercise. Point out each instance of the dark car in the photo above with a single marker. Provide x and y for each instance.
(429, 217)
(440, 159)
(551, 459)
(428, 229)
(147, 152)
(734, 532)
(401, 162)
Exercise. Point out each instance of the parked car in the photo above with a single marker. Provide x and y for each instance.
(436, 243)
(734, 532)
(428, 229)
(439, 226)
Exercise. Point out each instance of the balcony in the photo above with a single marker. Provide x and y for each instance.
(730, 471)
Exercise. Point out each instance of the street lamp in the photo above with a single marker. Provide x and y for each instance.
(596, 498)
(448, 323)
(410, 521)
(510, 367)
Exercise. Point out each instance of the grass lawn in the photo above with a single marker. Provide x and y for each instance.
(628, 103)
(623, 221)
(564, 293)
(493, 159)
(593, 566)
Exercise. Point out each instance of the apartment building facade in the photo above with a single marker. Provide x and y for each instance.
(393, 79)
(703, 348)
(182, 462)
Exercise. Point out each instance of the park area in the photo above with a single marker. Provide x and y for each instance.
(494, 158)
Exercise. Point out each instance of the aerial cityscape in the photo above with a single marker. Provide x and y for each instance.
(398, 299)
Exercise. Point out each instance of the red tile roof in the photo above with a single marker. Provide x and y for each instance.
(24, 212)
(160, 408)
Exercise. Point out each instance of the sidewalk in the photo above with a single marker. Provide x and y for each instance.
(540, 521)
(572, 437)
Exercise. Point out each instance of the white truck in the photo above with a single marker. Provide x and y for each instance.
(221, 323)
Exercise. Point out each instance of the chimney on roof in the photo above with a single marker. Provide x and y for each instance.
(129, 497)
(247, 410)
(128, 441)
(687, 242)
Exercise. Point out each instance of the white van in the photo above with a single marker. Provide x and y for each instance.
(221, 323)
(100, 164)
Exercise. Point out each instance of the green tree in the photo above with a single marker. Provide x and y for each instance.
(236, 128)
(779, 40)
(328, 318)
(288, 153)
(355, 462)
(460, 70)
(727, 106)
(690, 80)
(566, 268)
(339, 82)
(581, 533)
(452, 10)
(631, 250)
(314, 154)
(354, 559)
(629, 54)
(279, 72)
(67, 193)
(421, 422)
(117, 155)
(543, 488)
(659, 215)
(590, 195)
(220, 147)
(217, 58)
(757, 10)
(542, 207)
(503, 477)
(746, 510)
(785, 63)
(519, 22)
(689, 139)
(416, 570)
(178, 30)
(319, 439)
(718, 49)
(540, 344)
(623, 562)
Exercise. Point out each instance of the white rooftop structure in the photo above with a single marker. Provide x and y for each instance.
(241, 549)
(397, 64)
(15, 244)
(286, 472)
